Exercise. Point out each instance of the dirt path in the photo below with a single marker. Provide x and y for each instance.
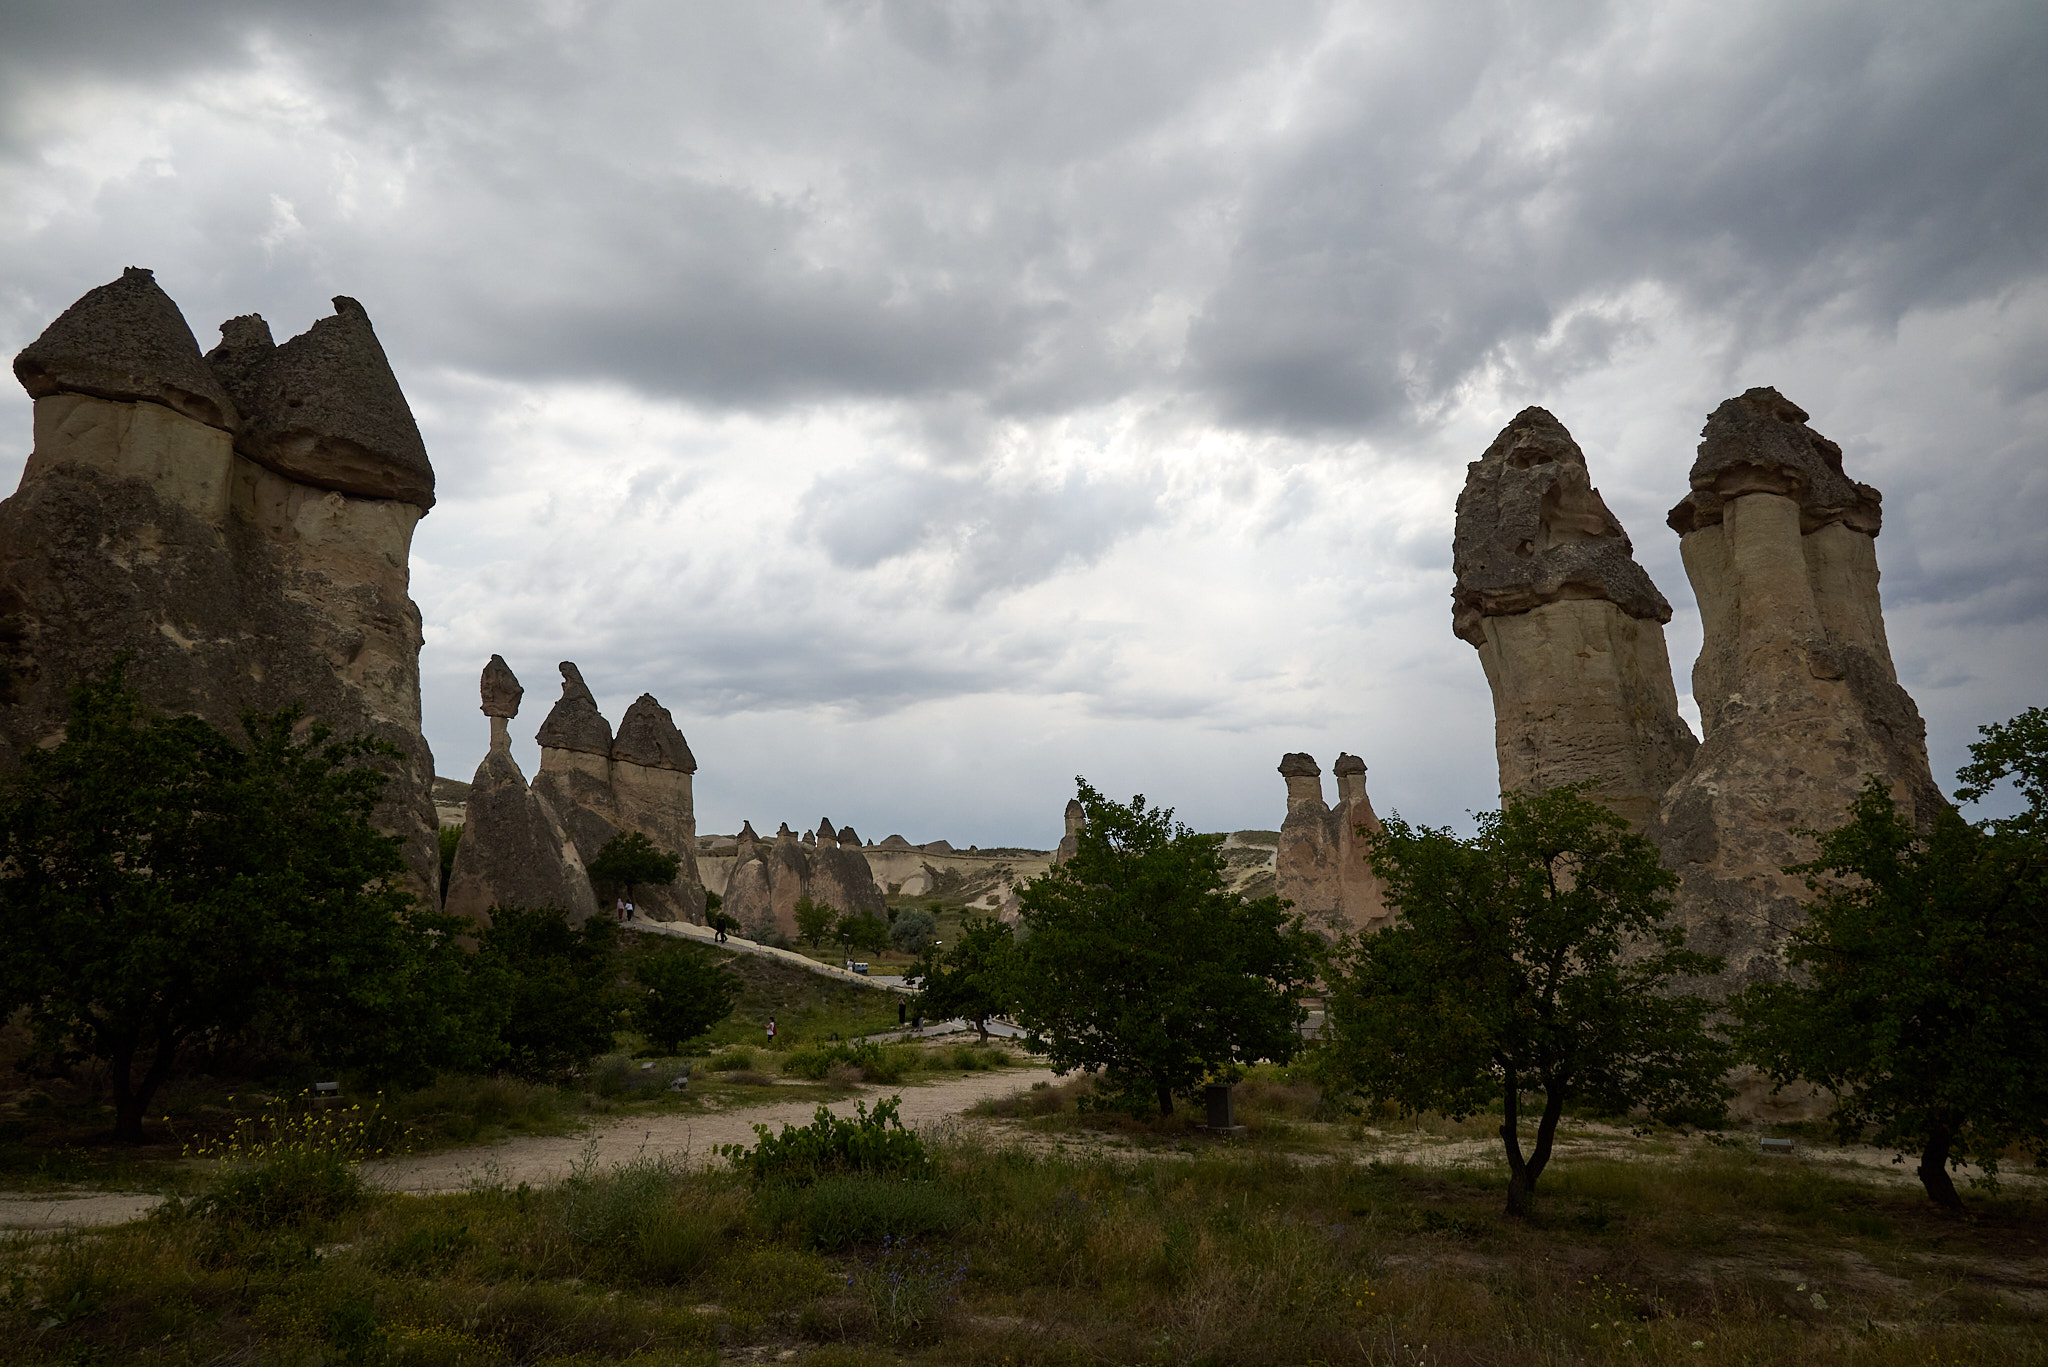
(690, 1138)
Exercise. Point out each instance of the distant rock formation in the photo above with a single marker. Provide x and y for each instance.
(766, 880)
(639, 780)
(1070, 842)
(1568, 626)
(514, 850)
(1320, 865)
(1795, 684)
(239, 526)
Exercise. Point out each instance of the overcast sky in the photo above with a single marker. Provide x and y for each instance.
(929, 402)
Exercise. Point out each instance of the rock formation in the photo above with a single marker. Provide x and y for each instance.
(1070, 843)
(766, 880)
(1568, 626)
(1796, 689)
(157, 519)
(514, 851)
(639, 781)
(1320, 865)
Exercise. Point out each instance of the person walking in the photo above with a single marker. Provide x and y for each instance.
(771, 1032)
(901, 1009)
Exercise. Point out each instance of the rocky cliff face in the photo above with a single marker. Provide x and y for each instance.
(1320, 865)
(143, 527)
(767, 878)
(1796, 688)
(514, 850)
(1568, 626)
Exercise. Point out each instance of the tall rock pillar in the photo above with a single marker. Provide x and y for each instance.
(514, 851)
(1568, 626)
(1320, 866)
(576, 765)
(651, 776)
(1797, 693)
(1361, 897)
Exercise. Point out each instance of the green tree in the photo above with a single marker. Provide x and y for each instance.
(1138, 960)
(687, 992)
(160, 884)
(629, 859)
(1918, 997)
(913, 931)
(814, 921)
(974, 979)
(1531, 958)
(862, 930)
(560, 987)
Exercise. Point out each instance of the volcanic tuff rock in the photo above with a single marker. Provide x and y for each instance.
(574, 723)
(324, 409)
(1320, 865)
(648, 736)
(514, 851)
(127, 342)
(766, 880)
(1568, 627)
(140, 530)
(1070, 842)
(1795, 683)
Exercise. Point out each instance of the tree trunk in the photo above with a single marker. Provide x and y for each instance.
(981, 1024)
(132, 1098)
(1523, 1172)
(1165, 1101)
(1934, 1169)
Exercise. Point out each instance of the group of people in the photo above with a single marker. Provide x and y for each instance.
(624, 910)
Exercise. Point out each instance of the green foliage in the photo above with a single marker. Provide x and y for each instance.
(449, 839)
(290, 1166)
(687, 992)
(976, 978)
(630, 858)
(873, 1142)
(1141, 962)
(814, 921)
(914, 931)
(876, 1063)
(160, 884)
(840, 1212)
(1919, 1003)
(1534, 957)
(862, 930)
(636, 1220)
(558, 988)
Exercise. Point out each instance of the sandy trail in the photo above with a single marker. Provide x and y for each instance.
(688, 1138)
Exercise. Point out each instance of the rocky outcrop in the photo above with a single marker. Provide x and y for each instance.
(143, 528)
(1568, 626)
(767, 878)
(1320, 866)
(1070, 842)
(1795, 684)
(640, 780)
(514, 850)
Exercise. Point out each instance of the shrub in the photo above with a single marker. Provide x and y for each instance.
(913, 931)
(730, 1060)
(872, 1142)
(561, 999)
(876, 1063)
(838, 1212)
(907, 1287)
(640, 1220)
(283, 1168)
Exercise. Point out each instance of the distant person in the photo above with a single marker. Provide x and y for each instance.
(900, 1010)
(771, 1031)
(619, 909)
(629, 911)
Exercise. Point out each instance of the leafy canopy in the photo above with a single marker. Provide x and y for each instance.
(558, 985)
(862, 930)
(629, 859)
(687, 991)
(1138, 960)
(1919, 1000)
(1533, 957)
(975, 979)
(814, 920)
(160, 884)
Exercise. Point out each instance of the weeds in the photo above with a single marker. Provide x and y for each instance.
(288, 1166)
(873, 1142)
(906, 1287)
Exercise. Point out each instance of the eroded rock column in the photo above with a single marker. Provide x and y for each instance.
(651, 776)
(1568, 626)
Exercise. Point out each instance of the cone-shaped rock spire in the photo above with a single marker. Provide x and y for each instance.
(574, 723)
(648, 736)
(126, 341)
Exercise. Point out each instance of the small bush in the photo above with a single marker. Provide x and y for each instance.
(838, 1212)
(907, 1288)
(641, 1219)
(286, 1167)
(875, 1062)
(730, 1060)
(873, 1142)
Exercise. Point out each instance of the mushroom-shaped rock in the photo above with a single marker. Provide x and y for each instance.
(126, 341)
(324, 409)
(574, 723)
(1532, 529)
(1759, 443)
(1298, 765)
(245, 347)
(810, 837)
(784, 835)
(501, 690)
(848, 839)
(1347, 765)
(826, 831)
(648, 736)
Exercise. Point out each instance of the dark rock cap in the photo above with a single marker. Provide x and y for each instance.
(648, 736)
(1532, 530)
(826, 830)
(847, 836)
(574, 723)
(126, 341)
(810, 837)
(1298, 765)
(1074, 807)
(895, 842)
(1759, 443)
(1347, 764)
(324, 409)
(501, 689)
